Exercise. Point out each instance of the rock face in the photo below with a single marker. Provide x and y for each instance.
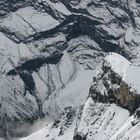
(111, 87)
(49, 51)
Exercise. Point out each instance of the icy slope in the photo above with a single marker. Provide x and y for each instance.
(72, 89)
(105, 115)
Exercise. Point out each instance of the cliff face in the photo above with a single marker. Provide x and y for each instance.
(112, 85)
(49, 52)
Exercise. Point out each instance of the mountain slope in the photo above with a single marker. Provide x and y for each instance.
(50, 50)
(105, 115)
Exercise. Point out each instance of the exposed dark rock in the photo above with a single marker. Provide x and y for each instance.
(116, 90)
(35, 63)
(79, 137)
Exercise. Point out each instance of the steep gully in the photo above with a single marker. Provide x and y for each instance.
(25, 71)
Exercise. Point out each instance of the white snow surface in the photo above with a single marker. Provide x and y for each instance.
(59, 7)
(128, 71)
(72, 89)
(24, 22)
(45, 21)
(129, 35)
(39, 135)
(107, 122)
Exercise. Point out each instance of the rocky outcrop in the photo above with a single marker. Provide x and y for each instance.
(114, 90)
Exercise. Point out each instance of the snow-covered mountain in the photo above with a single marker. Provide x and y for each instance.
(56, 69)
(111, 111)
